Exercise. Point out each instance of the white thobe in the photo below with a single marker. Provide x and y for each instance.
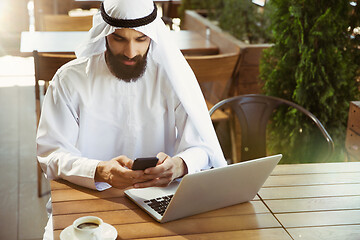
(89, 115)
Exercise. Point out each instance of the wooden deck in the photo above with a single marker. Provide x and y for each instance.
(23, 214)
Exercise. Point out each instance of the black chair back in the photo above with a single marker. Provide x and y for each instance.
(253, 112)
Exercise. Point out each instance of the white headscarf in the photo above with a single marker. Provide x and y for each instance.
(166, 54)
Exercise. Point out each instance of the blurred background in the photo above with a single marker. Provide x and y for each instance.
(300, 51)
(22, 212)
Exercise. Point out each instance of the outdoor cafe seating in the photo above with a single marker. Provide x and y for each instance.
(309, 201)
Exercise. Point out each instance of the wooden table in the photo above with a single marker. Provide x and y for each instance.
(189, 42)
(316, 201)
(302, 201)
(236, 222)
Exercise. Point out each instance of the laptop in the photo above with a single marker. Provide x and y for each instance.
(206, 190)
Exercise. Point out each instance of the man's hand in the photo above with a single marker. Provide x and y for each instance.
(117, 172)
(164, 173)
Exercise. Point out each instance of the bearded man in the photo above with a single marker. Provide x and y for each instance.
(130, 93)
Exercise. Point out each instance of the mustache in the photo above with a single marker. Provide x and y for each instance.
(121, 57)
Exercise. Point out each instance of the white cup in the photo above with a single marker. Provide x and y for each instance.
(88, 228)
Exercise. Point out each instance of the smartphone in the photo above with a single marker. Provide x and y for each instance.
(144, 163)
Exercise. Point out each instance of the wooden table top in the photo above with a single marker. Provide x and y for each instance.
(316, 201)
(301, 201)
(189, 42)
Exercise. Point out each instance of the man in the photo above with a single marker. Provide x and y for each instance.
(130, 93)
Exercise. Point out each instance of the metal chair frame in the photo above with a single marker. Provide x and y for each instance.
(253, 112)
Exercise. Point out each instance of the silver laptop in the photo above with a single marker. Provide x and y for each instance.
(206, 190)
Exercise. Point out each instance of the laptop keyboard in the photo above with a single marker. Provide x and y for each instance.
(159, 204)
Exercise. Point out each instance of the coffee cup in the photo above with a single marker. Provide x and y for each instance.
(88, 228)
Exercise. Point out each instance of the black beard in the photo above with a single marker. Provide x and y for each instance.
(122, 71)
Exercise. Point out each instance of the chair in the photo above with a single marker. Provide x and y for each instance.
(42, 7)
(253, 112)
(46, 65)
(170, 11)
(63, 22)
(247, 79)
(214, 74)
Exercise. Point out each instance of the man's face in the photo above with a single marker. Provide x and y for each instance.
(126, 53)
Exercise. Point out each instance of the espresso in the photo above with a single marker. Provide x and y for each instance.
(88, 225)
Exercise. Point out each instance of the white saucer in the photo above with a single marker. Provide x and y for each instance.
(108, 233)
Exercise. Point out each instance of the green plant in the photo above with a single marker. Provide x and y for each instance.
(245, 20)
(213, 7)
(354, 28)
(241, 18)
(313, 63)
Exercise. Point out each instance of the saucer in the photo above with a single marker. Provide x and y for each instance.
(108, 233)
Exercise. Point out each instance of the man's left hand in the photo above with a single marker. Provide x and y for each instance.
(165, 172)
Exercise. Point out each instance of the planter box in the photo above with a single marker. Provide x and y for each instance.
(247, 70)
(352, 143)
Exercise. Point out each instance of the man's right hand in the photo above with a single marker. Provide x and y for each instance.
(117, 172)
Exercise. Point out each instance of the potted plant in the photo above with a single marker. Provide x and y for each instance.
(314, 62)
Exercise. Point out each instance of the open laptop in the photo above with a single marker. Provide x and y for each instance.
(206, 190)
